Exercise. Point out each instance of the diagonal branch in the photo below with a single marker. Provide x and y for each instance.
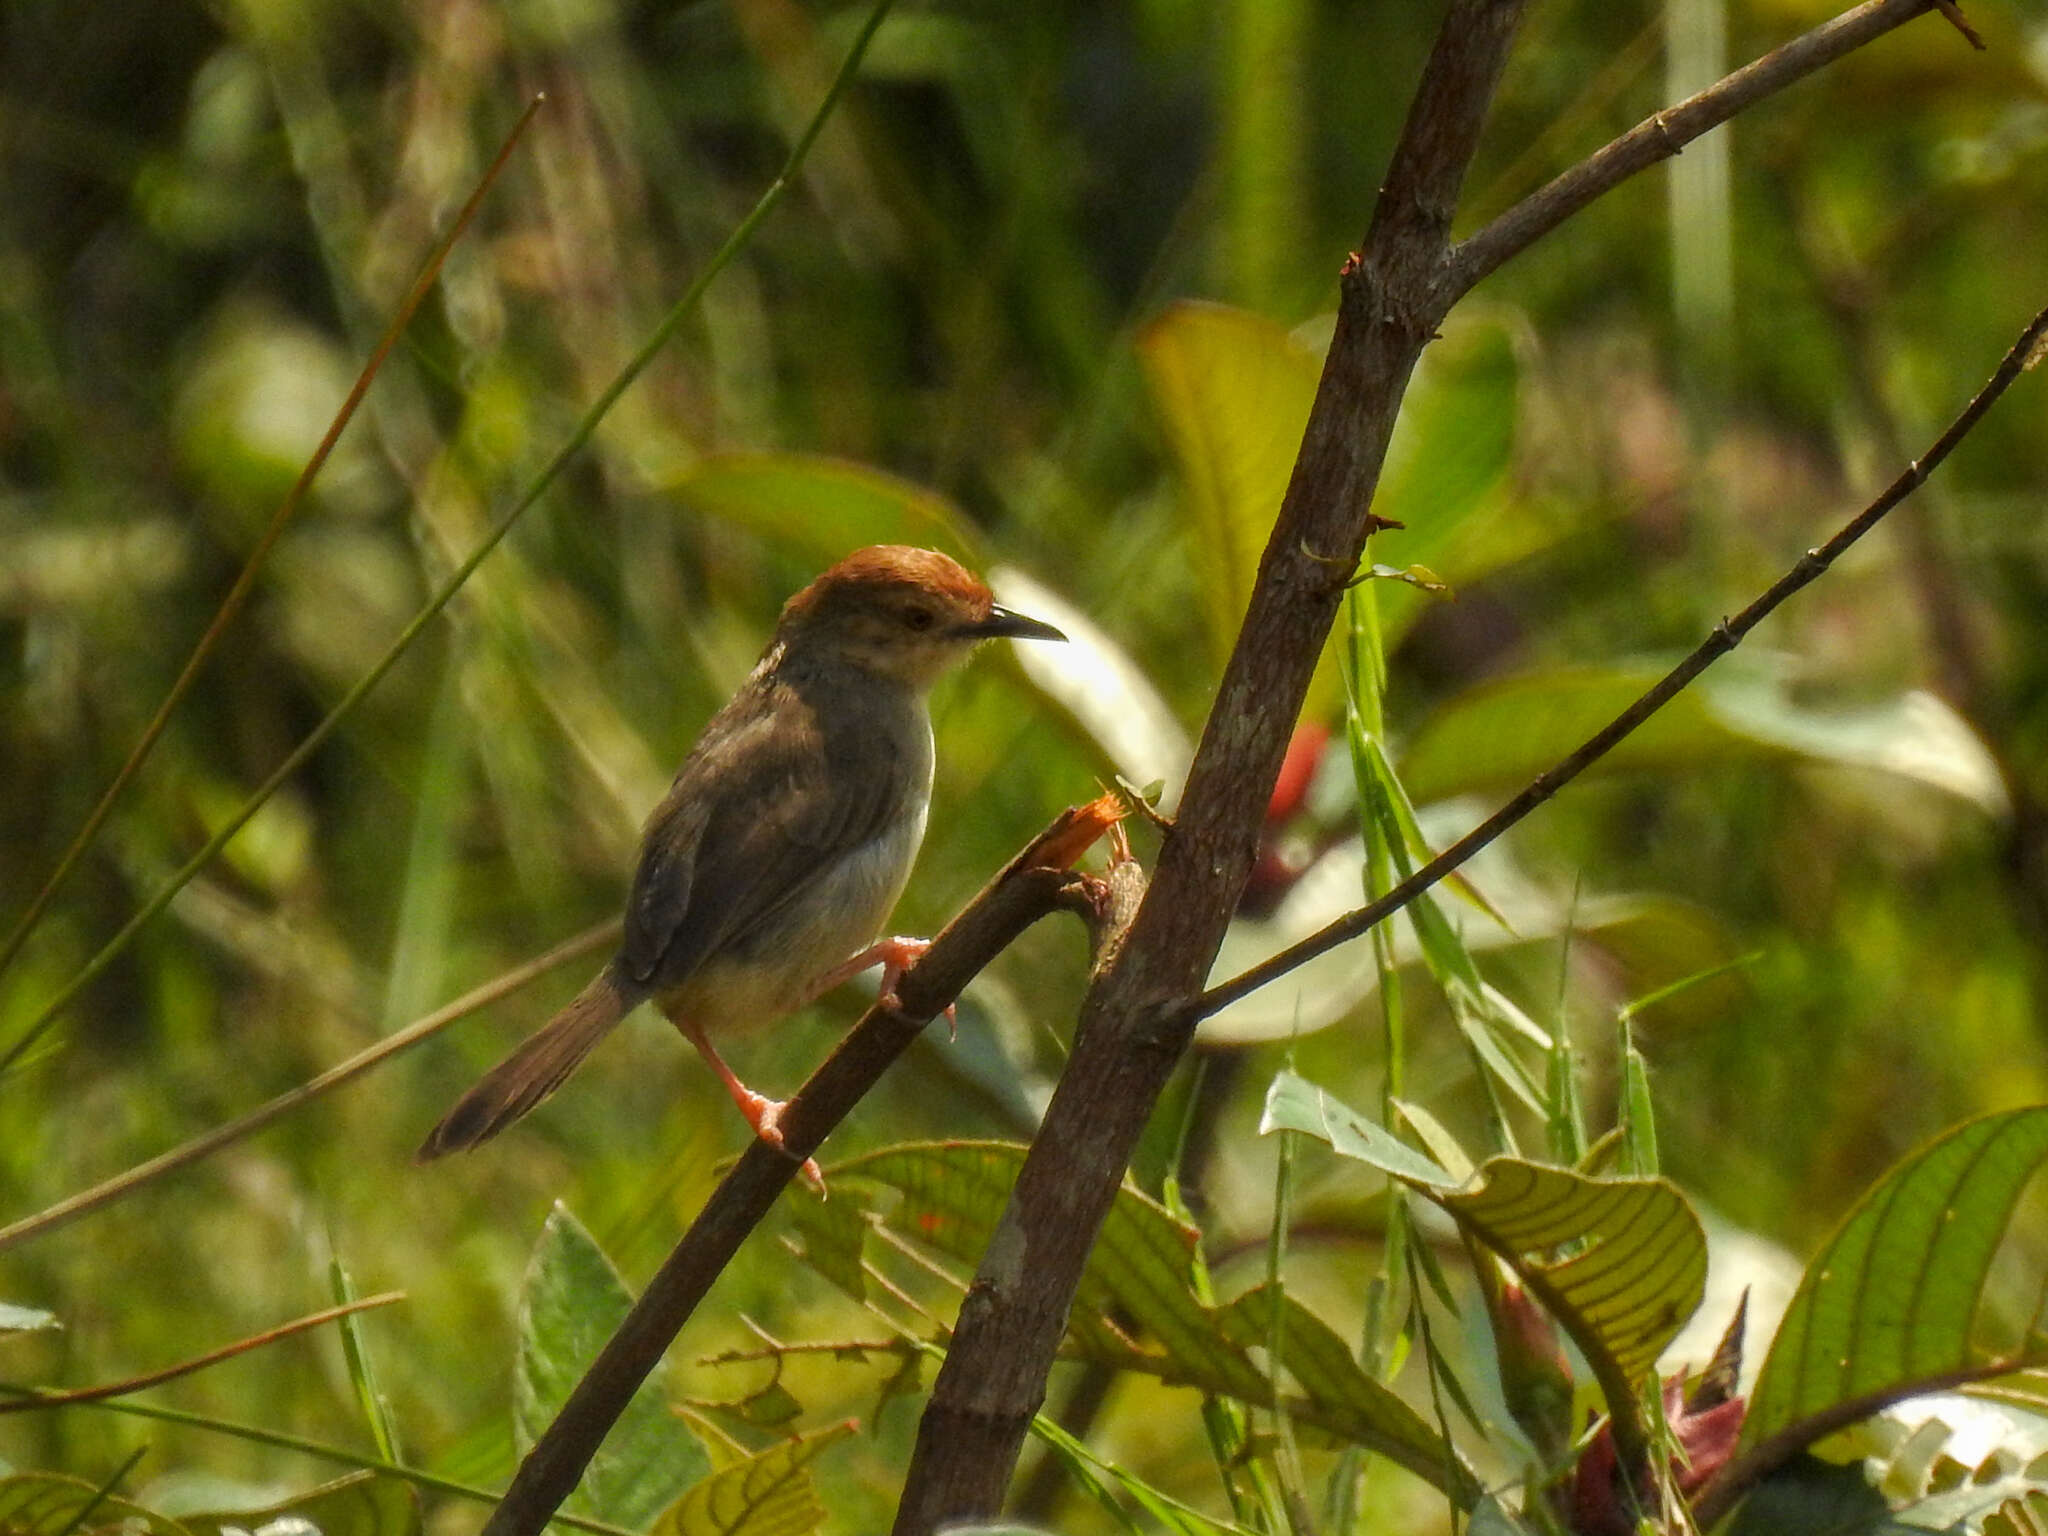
(1032, 884)
(2023, 354)
(1664, 134)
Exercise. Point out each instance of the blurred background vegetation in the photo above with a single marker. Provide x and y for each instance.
(968, 325)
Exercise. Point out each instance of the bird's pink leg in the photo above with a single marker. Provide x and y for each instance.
(762, 1112)
(894, 956)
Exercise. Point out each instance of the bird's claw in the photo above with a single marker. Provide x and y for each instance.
(765, 1115)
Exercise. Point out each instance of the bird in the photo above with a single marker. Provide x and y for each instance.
(786, 837)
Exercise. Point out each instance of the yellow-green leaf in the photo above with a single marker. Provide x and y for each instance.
(769, 1494)
(1621, 1263)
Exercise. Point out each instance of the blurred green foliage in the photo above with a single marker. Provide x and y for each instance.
(963, 329)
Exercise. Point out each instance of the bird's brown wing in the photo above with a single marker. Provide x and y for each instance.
(761, 805)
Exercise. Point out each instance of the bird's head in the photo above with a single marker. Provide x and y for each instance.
(907, 614)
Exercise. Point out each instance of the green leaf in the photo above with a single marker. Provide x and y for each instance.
(769, 1494)
(1621, 1263)
(1891, 1295)
(952, 1194)
(14, 1319)
(571, 1304)
(46, 1504)
(361, 1504)
(1293, 1103)
(823, 507)
(1233, 390)
(1500, 735)
(362, 1372)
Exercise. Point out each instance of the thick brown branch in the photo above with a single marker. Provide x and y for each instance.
(1726, 634)
(1134, 1023)
(1031, 885)
(1659, 137)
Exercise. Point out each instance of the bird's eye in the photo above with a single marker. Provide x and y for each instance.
(919, 619)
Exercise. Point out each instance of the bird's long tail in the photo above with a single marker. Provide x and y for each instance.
(540, 1066)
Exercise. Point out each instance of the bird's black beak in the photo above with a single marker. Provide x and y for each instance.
(1002, 624)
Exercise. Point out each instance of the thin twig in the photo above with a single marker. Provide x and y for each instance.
(231, 605)
(112, 1389)
(1724, 638)
(204, 1145)
(1034, 883)
(1663, 134)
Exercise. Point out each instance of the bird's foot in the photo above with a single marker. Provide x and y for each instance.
(898, 955)
(765, 1116)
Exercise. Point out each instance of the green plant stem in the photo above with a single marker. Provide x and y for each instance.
(581, 434)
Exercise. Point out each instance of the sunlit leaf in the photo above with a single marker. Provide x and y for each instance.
(769, 1494)
(571, 1304)
(1500, 735)
(361, 1504)
(1621, 1263)
(822, 507)
(1293, 1103)
(1892, 1294)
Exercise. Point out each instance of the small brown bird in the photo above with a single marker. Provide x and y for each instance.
(787, 836)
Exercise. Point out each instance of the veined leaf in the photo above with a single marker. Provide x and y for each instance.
(769, 1494)
(1502, 734)
(952, 1194)
(361, 1504)
(822, 506)
(1621, 1263)
(1892, 1294)
(572, 1302)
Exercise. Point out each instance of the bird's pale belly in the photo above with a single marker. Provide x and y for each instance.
(839, 913)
